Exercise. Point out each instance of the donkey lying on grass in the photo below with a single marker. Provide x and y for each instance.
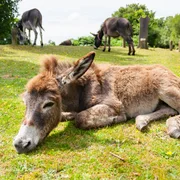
(102, 96)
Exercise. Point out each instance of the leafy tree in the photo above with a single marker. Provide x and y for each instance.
(8, 14)
(168, 29)
(175, 28)
(163, 30)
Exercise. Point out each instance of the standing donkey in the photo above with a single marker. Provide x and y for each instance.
(115, 27)
(96, 96)
(30, 20)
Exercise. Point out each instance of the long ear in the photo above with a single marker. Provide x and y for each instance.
(80, 67)
(93, 34)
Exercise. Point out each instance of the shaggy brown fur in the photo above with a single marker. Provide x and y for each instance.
(103, 96)
(130, 90)
(42, 83)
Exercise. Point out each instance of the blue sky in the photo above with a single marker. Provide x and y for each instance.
(75, 18)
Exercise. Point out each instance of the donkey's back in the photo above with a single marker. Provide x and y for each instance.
(34, 16)
(116, 27)
(142, 88)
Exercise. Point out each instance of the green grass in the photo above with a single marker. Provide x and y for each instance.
(71, 153)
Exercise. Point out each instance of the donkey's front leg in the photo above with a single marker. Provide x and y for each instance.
(109, 43)
(68, 116)
(98, 116)
(35, 34)
(105, 41)
(29, 36)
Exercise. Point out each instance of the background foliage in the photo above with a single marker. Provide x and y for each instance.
(8, 14)
(83, 41)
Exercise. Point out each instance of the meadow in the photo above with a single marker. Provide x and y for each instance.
(71, 153)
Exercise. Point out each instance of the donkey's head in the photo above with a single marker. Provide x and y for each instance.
(98, 38)
(43, 100)
(21, 35)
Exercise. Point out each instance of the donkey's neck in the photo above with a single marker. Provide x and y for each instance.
(70, 97)
(100, 33)
(74, 94)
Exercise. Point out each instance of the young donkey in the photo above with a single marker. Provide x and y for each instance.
(104, 95)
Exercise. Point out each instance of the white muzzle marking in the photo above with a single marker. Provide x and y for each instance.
(27, 138)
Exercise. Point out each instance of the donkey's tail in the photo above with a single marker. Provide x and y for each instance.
(40, 25)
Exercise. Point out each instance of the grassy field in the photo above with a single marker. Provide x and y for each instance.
(71, 153)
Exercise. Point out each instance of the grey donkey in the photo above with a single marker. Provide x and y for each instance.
(30, 20)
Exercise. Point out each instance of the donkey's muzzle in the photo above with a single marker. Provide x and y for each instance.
(23, 145)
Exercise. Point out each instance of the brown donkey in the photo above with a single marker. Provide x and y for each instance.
(102, 96)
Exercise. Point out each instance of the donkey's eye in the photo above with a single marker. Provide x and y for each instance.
(47, 105)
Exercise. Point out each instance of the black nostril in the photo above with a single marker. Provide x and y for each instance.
(28, 144)
(16, 145)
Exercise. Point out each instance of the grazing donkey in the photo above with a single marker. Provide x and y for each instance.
(30, 20)
(115, 27)
(102, 96)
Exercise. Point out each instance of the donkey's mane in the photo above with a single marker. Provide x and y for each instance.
(50, 68)
(51, 64)
(45, 80)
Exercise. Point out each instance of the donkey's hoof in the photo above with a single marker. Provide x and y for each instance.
(141, 122)
(141, 126)
(175, 134)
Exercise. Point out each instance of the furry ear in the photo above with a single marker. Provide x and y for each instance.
(49, 64)
(80, 67)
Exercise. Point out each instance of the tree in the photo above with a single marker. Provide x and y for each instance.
(8, 14)
(169, 29)
(175, 28)
(163, 29)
